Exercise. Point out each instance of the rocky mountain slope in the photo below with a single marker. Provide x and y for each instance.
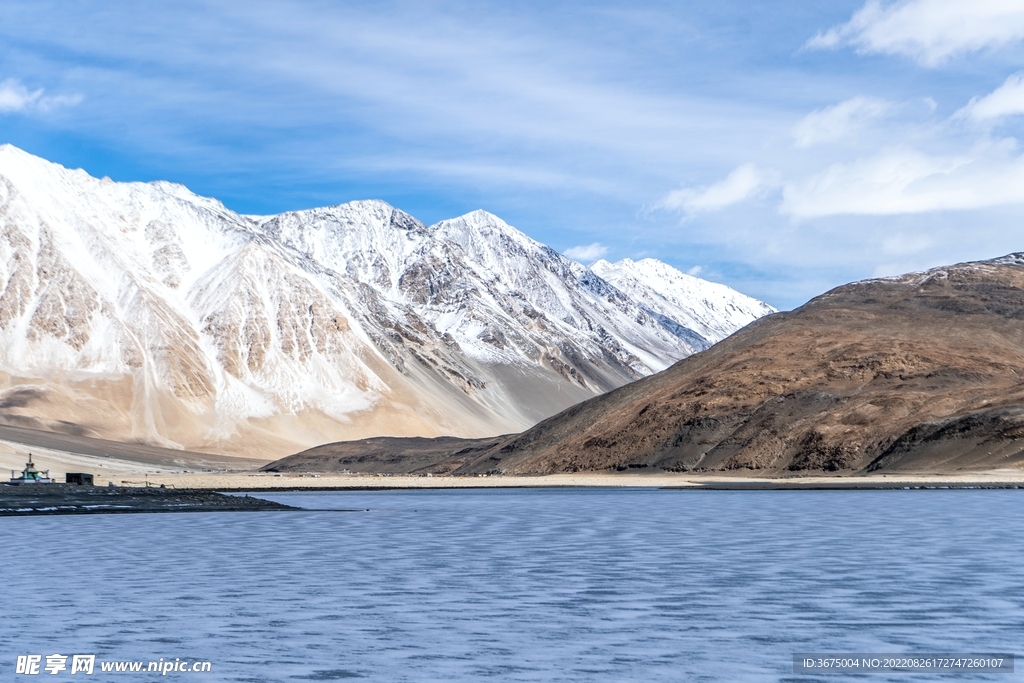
(140, 311)
(923, 372)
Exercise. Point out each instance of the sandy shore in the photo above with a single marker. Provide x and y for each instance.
(116, 466)
(249, 481)
(225, 474)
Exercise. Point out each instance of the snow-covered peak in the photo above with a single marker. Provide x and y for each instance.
(40, 177)
(712, 309)
(144, 311)
(485, 237)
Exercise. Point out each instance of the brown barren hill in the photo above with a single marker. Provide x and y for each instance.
(390, 455)
(923, 372)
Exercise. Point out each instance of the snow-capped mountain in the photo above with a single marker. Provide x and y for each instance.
(712, 310)
(143, 311)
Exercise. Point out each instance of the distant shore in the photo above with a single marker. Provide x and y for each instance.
(205, 492)
(125, 467)
(253, 481)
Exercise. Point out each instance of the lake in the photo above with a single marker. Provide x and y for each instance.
(522, 584)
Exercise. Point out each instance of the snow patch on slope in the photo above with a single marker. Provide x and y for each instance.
(713, 310)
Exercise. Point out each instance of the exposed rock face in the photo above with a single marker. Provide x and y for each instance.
(922, 372)
(140, 311)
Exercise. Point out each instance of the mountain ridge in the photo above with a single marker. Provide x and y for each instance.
(141, 311)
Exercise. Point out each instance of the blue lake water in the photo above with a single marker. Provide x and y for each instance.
(523, 585)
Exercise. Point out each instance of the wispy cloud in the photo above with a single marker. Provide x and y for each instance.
(16, 98)
(839, 121)
(564, 119)
(587, 253)
(1006, 100)
(904, 180)
(929, 31)
(743, 183)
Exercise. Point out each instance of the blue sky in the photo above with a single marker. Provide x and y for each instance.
(780, 147)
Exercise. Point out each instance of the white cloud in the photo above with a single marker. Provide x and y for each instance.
(587, 253)
(15, 97)
(695, 271)
(744, 182)
(929, 31)
(905, 181)
(838, 121)
(46, 104)
(1006, 100)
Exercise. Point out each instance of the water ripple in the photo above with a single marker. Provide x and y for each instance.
(524, 585)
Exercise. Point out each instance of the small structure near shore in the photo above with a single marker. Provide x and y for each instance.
(80, 478)
(30, 475)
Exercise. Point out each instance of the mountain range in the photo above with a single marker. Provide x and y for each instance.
(143, 312)
(918, 373)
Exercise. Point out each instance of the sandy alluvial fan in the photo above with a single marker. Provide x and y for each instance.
(923, 372)
(140, 311)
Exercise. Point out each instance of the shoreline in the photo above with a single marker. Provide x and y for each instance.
(130, 465)
(247, 481)
(220, 492)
